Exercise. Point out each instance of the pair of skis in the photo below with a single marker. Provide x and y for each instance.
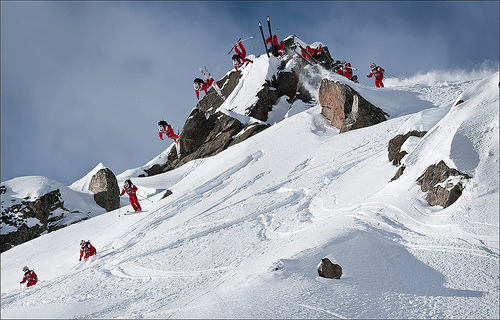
(273, 48)
(239, 40)
(207, 75)
(307, 53)
(134, 212)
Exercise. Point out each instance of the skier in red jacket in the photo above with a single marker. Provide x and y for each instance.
(378, 72)
(86, 250)
(29, 276)
(240, 57)
(345, 70)
(314, 52)
(277, 46)
(131, 190)
(201, 85)
(165, 128)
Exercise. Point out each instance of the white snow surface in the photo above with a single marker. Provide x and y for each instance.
(243, 232)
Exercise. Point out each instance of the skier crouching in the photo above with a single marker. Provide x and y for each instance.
(345, 70)
(30, 277)
(86, 250)
(131, 190)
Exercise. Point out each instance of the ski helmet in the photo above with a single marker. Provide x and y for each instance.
(198, 83)
(373, 65)
(128, 183)
(82, 243)
(25, 269)
(343, 62)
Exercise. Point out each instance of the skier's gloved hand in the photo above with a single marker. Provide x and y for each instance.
(80, 259)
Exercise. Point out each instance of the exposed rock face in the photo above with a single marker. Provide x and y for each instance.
(208, 131)
(395, 153)
(211, 101)
(206, 137)
(105, 188)
(327, 269)
(442, 183)
(399, 173)
(42, 208)
(345, 108)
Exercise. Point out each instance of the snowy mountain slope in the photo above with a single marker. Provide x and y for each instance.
(243, 232)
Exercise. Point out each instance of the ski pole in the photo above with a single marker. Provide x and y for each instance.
(144, 198)
(253, 52)
(108, 249)
(393, 75)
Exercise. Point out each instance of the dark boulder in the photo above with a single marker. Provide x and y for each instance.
(105, 188)
(327, 269)
(394, 148)
(432, 179)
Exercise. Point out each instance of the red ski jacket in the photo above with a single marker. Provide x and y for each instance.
(31, 277)
(313, 52)
(131, 190)
(242, 56)
(377, 72)
(275, 43)
(168, 131)
(88, 250)
(346, 71)
(204, 87)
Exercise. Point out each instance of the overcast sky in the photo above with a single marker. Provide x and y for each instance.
(86, 82)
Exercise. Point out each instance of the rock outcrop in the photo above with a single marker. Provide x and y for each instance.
(105, 188)
(204, 137)
(327, 269)
(347, 109)
(394, 149)
(208, 131)
(443, 184)
(47, 210)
